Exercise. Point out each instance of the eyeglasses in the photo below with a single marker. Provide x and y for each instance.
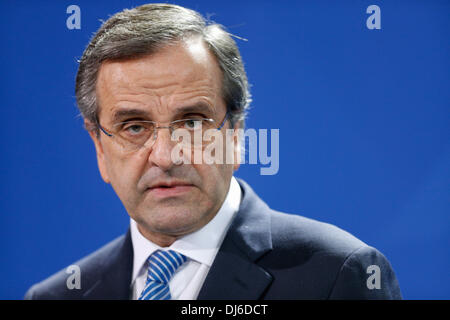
(135, 134)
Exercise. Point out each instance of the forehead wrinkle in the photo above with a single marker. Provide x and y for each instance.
(194, 99)
(184, 96)
(131, 101)
(162, 100)
(121, 79)
(170, 102)
(135, 81)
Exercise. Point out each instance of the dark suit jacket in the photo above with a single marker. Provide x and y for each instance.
(265, 255)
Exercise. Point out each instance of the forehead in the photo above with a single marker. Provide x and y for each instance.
(179, 73)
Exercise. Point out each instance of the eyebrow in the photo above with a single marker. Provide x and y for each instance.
(200, 107)
(127, 113)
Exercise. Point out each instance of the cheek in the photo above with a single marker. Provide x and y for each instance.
(216, 176)
(215, 179)
(124, 172)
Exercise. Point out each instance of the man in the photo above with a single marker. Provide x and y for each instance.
(196, 232)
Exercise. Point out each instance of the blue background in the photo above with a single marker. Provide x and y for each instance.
(363, 118)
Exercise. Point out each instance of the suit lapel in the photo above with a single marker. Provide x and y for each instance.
(235, 273)
(115, 280)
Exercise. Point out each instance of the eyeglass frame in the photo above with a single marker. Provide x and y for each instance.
(170, 126)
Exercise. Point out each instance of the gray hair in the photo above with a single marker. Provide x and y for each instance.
(144, 30)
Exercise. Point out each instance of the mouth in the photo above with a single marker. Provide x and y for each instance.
(163, 191)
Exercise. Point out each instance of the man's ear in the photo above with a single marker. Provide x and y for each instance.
(99, 150)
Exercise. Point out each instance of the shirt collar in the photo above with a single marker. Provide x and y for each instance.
(201, 245)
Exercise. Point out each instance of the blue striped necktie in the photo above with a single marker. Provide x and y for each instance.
(161, 267)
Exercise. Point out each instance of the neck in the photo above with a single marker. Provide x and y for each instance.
(162, 240)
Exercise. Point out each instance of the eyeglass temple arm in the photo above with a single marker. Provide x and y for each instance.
(223, 122)
(101, 128)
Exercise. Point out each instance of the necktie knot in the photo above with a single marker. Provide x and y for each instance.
(161, 267)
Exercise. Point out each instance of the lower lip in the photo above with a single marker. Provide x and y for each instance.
(170, 192)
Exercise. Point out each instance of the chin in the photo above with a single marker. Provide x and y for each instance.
(171, 221)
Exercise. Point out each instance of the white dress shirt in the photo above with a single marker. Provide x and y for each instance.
(200, 248)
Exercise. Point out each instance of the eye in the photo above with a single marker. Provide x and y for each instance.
(134, 128)
(192, 124)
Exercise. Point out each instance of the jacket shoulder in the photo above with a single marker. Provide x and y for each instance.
(90, 269)
(290, 230)
(331, 262)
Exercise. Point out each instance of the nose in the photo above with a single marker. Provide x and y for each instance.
(161, 149)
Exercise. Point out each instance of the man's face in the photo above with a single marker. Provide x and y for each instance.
(162, 87)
